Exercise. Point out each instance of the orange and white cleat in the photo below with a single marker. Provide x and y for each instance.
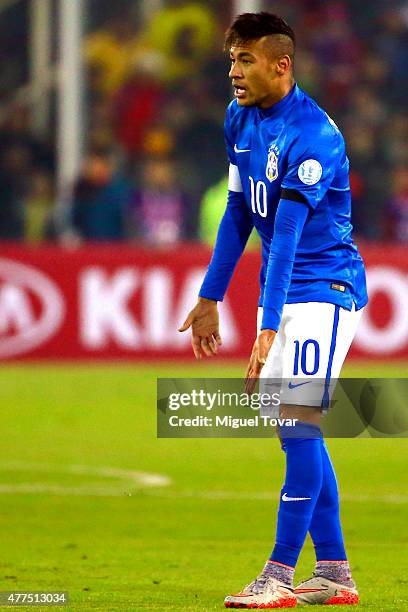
(264, 592)
(319, 590)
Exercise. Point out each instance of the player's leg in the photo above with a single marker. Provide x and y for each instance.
(303, 464)
(332, 577)
(305, 330)
(331, 582)
(306, 350)
(266, 590)
(302, 481)
(274, 586)
(311, 353)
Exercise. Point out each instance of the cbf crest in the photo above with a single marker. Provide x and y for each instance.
(272, 163)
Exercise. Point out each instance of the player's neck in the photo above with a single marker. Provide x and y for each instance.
(283, 91)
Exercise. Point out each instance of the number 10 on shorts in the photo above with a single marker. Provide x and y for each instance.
(306, 354)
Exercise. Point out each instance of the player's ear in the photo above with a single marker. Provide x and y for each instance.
(283, 65)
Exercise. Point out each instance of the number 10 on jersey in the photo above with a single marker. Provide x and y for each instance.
(259, 197)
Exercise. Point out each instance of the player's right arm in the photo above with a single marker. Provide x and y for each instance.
(233, 233)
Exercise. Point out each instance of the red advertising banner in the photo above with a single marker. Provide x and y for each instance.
(122, 302)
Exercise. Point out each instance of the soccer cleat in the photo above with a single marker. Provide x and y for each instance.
(264, 592)
(319, 590)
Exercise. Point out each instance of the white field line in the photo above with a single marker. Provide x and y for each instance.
(130, 482)
(270, 496)
(128, 477)
(122, 491)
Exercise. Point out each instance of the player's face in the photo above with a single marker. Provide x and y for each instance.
(254, 75)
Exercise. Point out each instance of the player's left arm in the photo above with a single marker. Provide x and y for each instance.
(310, 172)
(290, 219)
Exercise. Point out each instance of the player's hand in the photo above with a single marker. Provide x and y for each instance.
(258, 357)
(265, 341)
(253, 370)
(204, 323)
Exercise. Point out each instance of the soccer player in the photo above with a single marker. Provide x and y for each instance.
(289, 179)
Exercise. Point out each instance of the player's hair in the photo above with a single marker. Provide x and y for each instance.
(252, 26)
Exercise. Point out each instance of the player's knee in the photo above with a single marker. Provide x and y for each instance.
(305, 414)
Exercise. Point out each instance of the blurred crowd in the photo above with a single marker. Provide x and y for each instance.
(154, 171)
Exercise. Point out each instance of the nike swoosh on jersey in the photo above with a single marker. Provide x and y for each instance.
(285, 498)
(240, 150)
(292, 386)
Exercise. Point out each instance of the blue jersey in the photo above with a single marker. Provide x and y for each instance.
(294, 151)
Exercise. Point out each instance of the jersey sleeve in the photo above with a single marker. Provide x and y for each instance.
(313, 159)
(233, 233)
(234, 179)
(289, 223)
(228, 137)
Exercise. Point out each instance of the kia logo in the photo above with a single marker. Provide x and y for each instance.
(31, 308)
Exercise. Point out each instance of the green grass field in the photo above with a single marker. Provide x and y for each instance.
(81, 512)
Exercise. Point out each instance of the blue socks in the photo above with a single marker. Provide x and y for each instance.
(325, 528)
(303, 482)
(309, 499)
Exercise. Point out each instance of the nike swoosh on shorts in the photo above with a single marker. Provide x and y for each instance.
(292, 386)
